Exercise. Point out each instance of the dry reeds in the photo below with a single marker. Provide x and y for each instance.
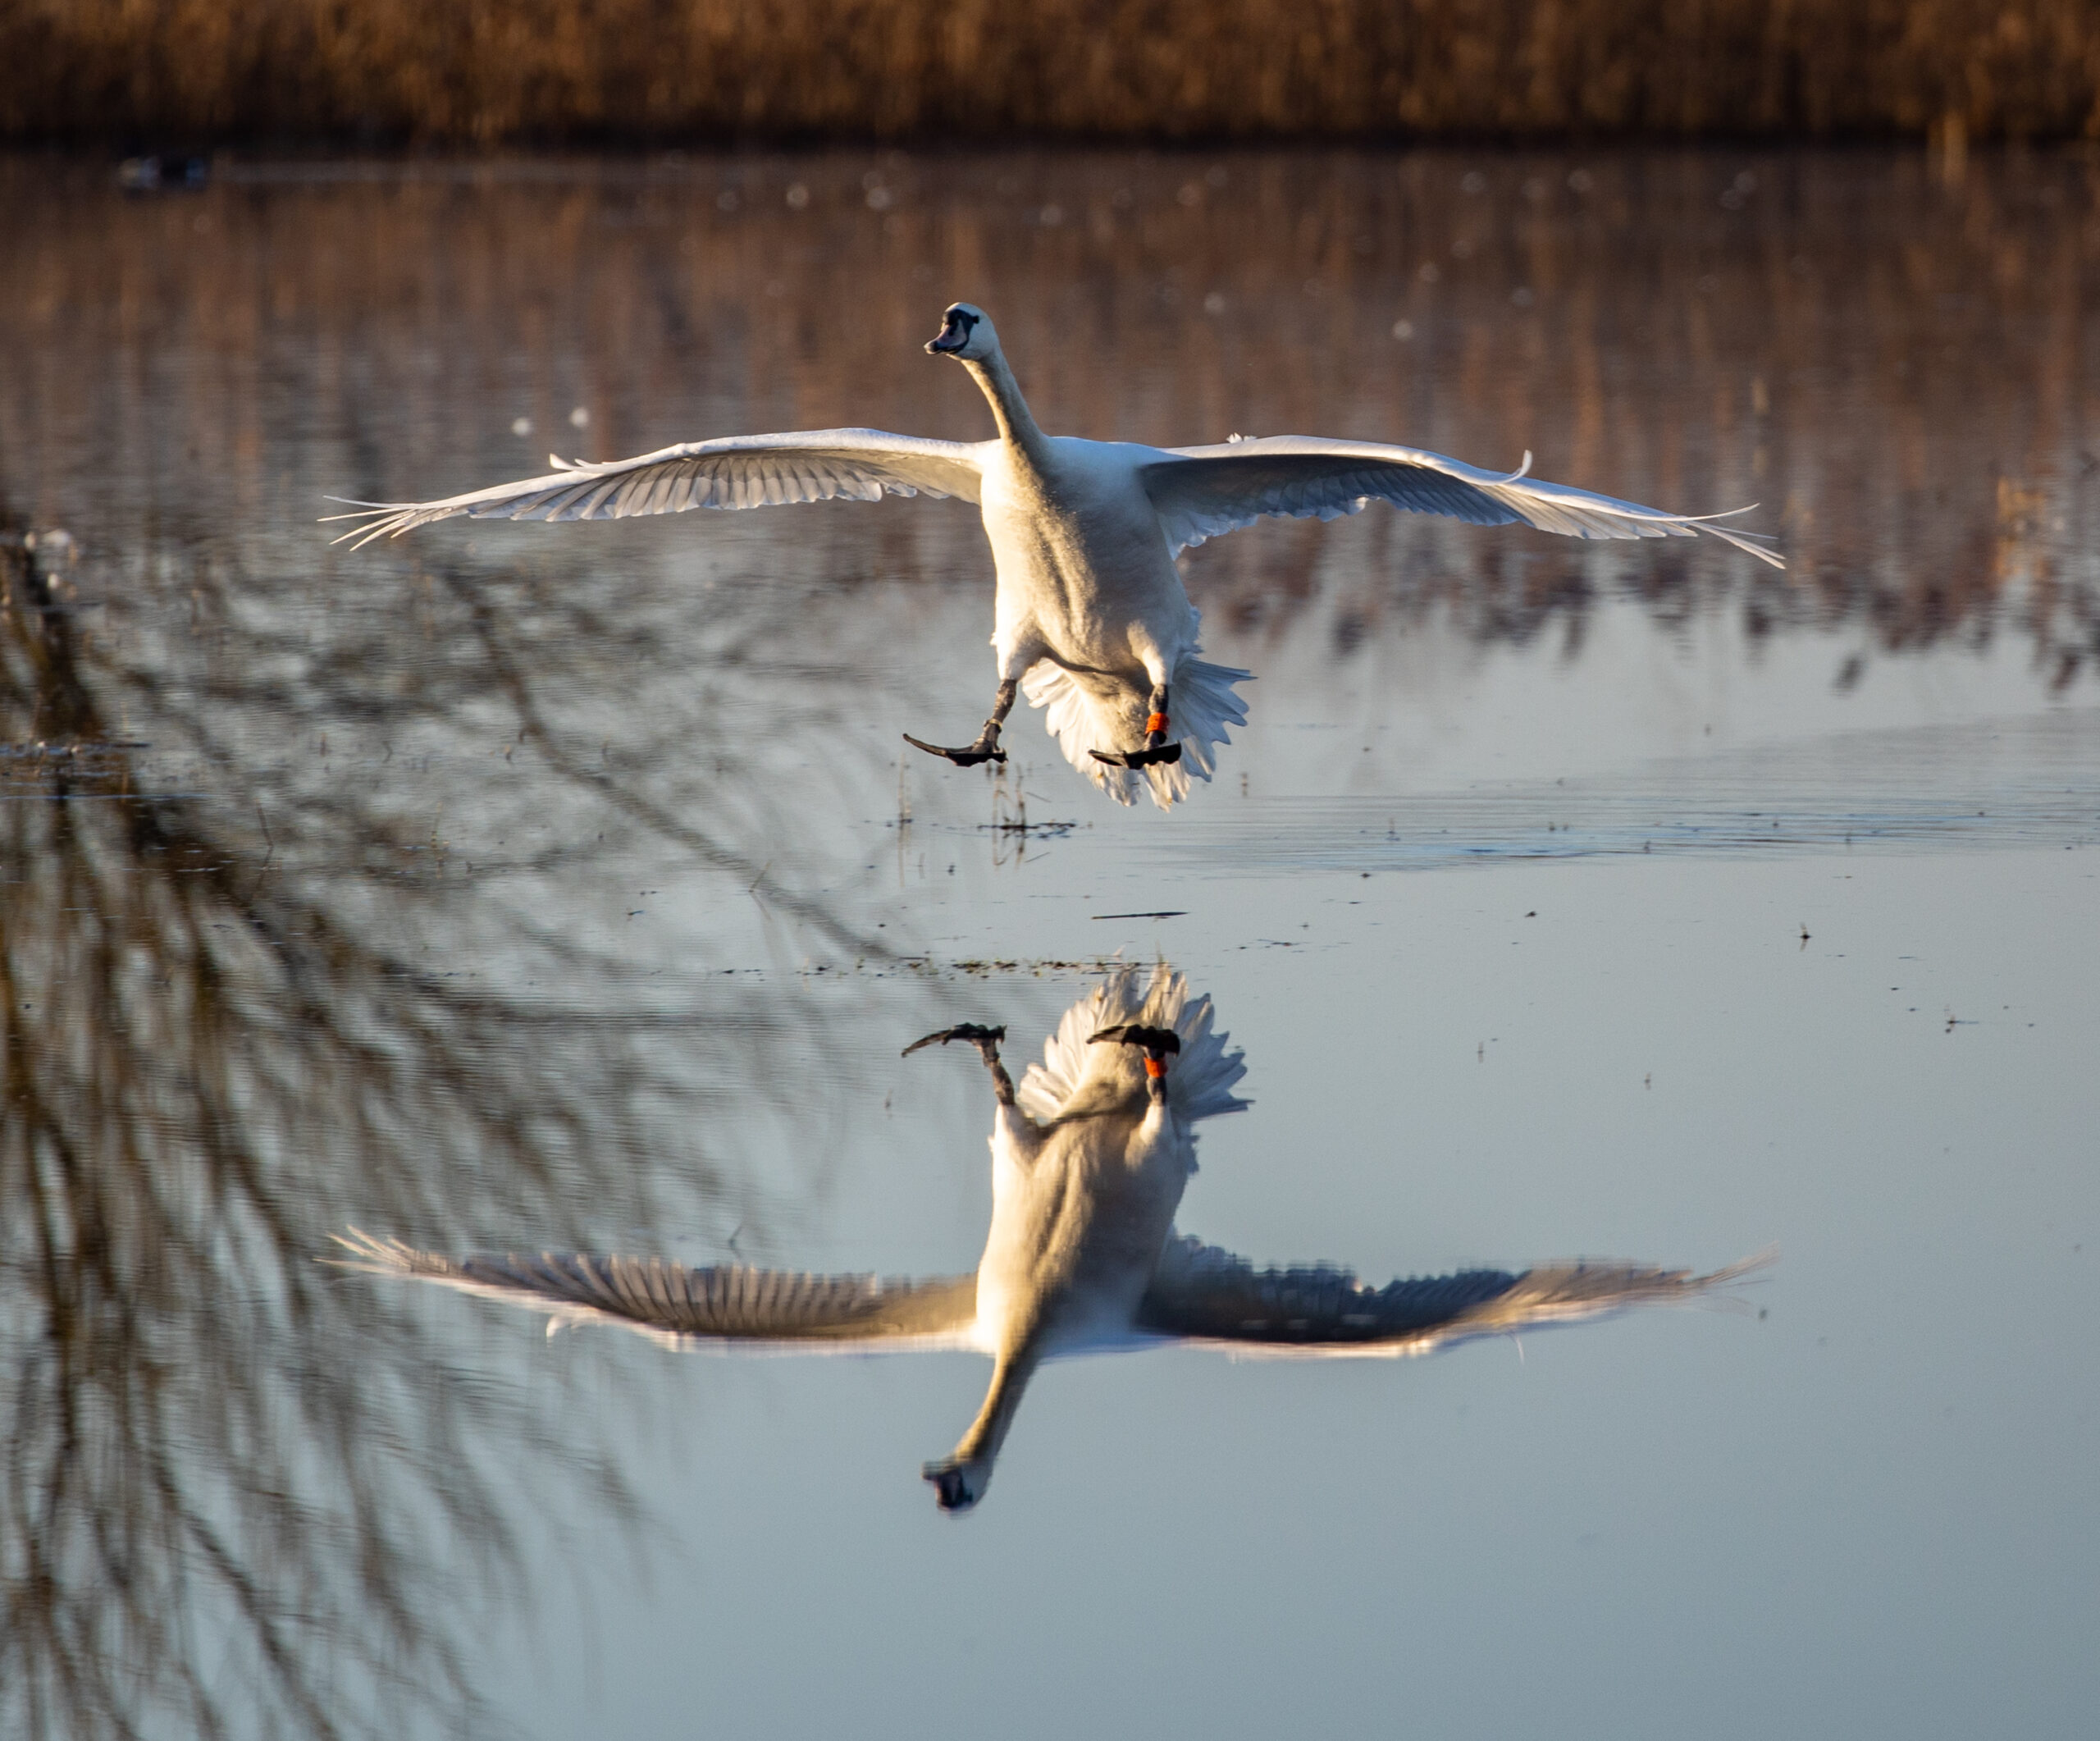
(472, 72)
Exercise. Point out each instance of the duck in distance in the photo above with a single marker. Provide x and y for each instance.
(1092, 622)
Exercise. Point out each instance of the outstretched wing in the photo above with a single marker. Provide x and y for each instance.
(760, 471)
(1200, 492)
(679, 1306)
(1203, 1294)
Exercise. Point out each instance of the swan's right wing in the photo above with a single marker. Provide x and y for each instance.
(1201, 492)
(723, 1304)
(1202, 1294)
(757, 471)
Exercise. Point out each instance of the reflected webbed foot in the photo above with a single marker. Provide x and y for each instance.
(1164, 1041)
(985, 749)
(975, 1033)
(1157, 1044)
(956, 1485)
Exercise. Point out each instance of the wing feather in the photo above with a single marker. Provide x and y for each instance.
(735, 472)
(725, 1303)
(1203, 1294)
(1201, 492)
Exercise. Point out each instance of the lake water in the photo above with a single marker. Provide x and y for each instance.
(523, 887)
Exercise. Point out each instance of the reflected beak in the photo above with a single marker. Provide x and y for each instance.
(954, 336)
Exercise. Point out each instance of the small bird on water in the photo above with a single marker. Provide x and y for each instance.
(1092, 622)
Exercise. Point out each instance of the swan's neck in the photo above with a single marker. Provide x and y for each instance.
(1017, 427)
(1010, 1376)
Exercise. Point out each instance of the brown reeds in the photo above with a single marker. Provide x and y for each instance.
(470, 72)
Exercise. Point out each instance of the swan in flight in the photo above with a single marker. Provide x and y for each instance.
(1092, 622)
(1089, 1158)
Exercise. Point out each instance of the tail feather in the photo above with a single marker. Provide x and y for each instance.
(1198, 1084)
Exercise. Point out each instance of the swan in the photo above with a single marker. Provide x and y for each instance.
(1092, 621)
(1090, 1155)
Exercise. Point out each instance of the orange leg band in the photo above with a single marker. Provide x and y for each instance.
(1155, 1068)
(1155, 723)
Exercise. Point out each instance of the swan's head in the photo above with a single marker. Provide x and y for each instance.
(966, 335)
(959, 1483)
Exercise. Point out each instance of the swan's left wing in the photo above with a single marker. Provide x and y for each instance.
(758, 471)
(1202, 1294)
(724, 1304)
(1201, 492)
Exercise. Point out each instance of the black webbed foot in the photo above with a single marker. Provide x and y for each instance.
(1156, 1043)
(1138, 758)
(1131, 1034)
(983, 750)
(957, 1486)
(977, 1034)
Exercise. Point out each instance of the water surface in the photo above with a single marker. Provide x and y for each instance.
(513, 886)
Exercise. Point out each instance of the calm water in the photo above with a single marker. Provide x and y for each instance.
(513, 886)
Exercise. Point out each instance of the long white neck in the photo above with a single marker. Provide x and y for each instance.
(1017, 426)
(1010, 1376)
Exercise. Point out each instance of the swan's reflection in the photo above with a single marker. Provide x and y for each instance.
(1090, 1154)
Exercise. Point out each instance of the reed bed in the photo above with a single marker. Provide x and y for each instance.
(493, 72)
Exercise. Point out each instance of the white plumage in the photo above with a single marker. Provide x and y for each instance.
(1090, 1161)
(1092, 620)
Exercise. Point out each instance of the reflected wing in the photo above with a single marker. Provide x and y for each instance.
(1202, 491)
(727, 1303)
(1204, 1293)
(760, 471)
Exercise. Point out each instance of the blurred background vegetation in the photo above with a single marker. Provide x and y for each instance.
(472, 73)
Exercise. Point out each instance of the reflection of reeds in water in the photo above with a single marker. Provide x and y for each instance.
(235, 1496)
(1867, 350)
(1178, 69)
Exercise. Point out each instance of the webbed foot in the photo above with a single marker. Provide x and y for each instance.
(958, 1485)
(1163, 1040)
(1157, 749)
(1138, 758)
(985, 749)
(1156, 1043)
(975, 1033)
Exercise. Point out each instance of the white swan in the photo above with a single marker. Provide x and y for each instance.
(1089, 1158)
(1092, 620)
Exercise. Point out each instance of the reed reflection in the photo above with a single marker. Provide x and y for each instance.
(1892, 364)
(1091, 1153)
(236, 1495)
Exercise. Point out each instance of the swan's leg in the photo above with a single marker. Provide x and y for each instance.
(1156, 1043)
(987, 1042)
(987, 745)
(1156, 747)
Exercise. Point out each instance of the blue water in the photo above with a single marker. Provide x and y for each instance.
(514, 888)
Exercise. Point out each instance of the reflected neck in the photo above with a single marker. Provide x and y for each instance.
(988, 1433)
(1017, 427)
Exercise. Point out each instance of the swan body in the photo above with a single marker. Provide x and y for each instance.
(1090, 1156)
(1092, 622)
